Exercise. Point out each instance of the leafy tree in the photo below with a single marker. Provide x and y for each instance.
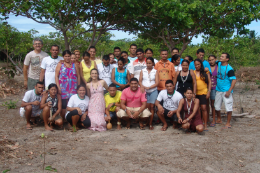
(177, 22)
(98, 16)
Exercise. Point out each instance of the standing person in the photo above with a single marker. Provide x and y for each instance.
(112, 99)
(77, 109)
(190, 106)
(214, 68)
(200, 55)
(127, 64)
(165, 69)
(185, 78)
(203, 89)
(77, 54)
(117, 53)
(120, 76)
(51, 101)
(133, 105)
(49, 65)
(175, 51)
(138, 64)
(149, 79)
(67, 78)
(73, 59)
(189, 58)
(149, 53)
(97, 102)
(132, 57)
(176, 59)
(33, 62)
(105, 71)
(226, 81)
(112, 59)
(92, 51)
(86, 66)
(171, 99)
(31, 103)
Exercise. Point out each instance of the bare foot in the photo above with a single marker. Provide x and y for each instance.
(48, 128)
(119, 127)
(128, 125)
(219, 122)
(151, 127)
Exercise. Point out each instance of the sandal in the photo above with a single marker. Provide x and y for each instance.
(164, 128)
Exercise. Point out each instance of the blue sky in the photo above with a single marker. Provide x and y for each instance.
(25, 24)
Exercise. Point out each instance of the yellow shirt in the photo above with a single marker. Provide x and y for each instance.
(202, 87)
(98, 61)
(115, 99)
(86, 70)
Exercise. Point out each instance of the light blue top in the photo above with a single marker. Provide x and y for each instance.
(205, 64)
(224, 78)
(132, 58)
(121, 77)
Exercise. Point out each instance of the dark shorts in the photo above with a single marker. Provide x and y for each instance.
(64, 103)
(202, 99)
(173, 118)
(69, 116)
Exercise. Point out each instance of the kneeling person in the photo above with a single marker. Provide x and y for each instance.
(51, 105)
(133, 105)
(31, 103)
(171, 99)
(192, 119)
(78, 109)
(112, 99)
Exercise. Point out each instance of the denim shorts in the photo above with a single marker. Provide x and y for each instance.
(212, 94)
(112, 115)
(151, 97)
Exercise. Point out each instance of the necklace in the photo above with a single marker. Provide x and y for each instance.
(221, 73)
(188, 105)
(88, 65)
(66, 65)
(184, 80)
(169, 102)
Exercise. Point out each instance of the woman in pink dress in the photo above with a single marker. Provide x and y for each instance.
(97, 104)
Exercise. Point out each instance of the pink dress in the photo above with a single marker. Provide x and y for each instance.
(97, 109)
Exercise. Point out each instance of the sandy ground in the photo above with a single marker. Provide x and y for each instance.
(134, 150)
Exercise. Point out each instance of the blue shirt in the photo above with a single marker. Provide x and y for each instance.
(205, 64)
(170, 59)
(224, 78)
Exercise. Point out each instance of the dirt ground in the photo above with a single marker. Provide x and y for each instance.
(233, 150)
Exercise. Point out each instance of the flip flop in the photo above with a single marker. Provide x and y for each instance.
(28, 128)
(142, 128)
(164, 128)
(212, 125)
(226, 127)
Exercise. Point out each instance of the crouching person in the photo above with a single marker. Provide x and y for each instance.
(112, 99)
(78, 109)
(51, 105)
(31, 103)
(133, 105)
(192, 119)
(171, 99)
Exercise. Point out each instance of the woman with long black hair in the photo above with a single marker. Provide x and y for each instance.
(203, 89)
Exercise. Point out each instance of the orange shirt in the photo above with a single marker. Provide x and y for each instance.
(166, 71)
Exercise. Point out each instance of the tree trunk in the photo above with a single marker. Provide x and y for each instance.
(67, 45)
(16, 66)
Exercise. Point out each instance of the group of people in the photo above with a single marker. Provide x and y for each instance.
(89, 92)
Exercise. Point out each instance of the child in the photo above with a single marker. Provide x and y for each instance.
(226, 81)
(214, 68)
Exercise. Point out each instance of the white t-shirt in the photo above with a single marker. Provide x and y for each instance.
(170, 103)
(178, 68)
(50, 64)
(33, 60)
(136, 67)
(105, 72)
(31, 96)
(155, 61)
(132, 58)
(149, 79)
(75, 101)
